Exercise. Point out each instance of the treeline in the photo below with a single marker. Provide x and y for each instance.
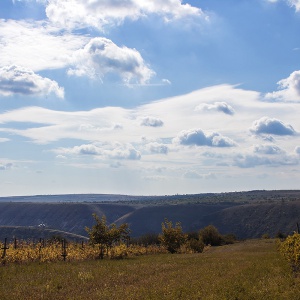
(172, 237)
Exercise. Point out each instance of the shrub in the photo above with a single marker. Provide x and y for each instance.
(229, 238)
(196, 245)
(265, 236)
(281, 235)
(210, 236)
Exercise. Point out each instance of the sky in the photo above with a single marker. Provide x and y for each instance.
(149, 97)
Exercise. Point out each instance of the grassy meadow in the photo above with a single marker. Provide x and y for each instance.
(253, 269)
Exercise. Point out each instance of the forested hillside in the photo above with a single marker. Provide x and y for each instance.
(245, 214)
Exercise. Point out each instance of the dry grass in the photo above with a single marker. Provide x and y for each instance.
(248, 270)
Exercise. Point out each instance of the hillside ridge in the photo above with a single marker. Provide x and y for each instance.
(245, 214)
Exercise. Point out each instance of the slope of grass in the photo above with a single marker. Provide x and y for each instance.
(247, 270)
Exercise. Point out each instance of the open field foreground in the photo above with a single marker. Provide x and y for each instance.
(247, 270)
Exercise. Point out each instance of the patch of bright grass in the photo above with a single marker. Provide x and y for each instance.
(246, 270)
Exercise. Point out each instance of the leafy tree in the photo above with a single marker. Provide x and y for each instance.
(172, 237)
(210, 236)
(105, 236)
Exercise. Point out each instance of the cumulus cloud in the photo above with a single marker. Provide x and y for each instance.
(289, 89)
(267, 125)
(197, 137)
(157, 148)
(124, 152)
(101, 56)
(217, 106)
(103, 13)
(116, 151)
(267, 149)
(18, 80)
(151, 122)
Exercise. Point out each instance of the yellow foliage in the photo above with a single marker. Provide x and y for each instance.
(290, 249)
(29, 252)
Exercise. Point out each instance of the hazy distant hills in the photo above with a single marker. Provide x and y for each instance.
(246, 214)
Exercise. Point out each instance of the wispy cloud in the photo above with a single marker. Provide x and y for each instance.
(36, 45)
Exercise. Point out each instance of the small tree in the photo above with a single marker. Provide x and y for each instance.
(210, 236)
(104, 235)
(172, 237)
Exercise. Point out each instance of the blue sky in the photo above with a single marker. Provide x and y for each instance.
(149, 97)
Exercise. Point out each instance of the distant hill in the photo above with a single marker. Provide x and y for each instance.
(246, 214)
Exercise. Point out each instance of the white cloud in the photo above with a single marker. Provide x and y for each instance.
(101, 56)
(291, 3)
(36, 45)
(101, 124)
(103, 13)
(19, 80)
(289, 89)
(151, 122)
(124, 152)
(251, 161)
(267, 149)
(157, 148)
(294, 3)
(267, 125)
(197, 137)
(217, 106)
(115, 151)
(196, 175)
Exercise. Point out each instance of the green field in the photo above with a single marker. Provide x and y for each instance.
(246, 270)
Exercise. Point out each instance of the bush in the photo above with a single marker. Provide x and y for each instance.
(265, 236)
(196, 245)
(210, 236)
(229, 238)
(280, 235)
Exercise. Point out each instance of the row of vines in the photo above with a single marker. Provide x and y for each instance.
(55, 251)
